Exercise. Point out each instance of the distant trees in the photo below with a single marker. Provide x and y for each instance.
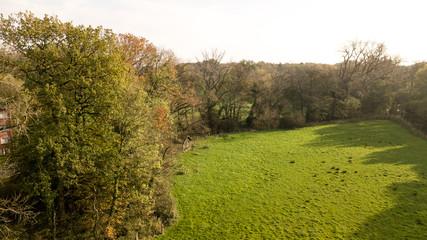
(231, 96)
(416, 107)
(306, 88)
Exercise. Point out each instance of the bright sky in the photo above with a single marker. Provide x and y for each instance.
(260, 30)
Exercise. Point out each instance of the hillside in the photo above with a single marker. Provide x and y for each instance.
(351, 181)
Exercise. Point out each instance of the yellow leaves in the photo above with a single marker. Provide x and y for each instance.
(96, 130)
(110, 232)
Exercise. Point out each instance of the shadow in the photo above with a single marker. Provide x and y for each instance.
(388, 144)
(407, 219)
(381, 134)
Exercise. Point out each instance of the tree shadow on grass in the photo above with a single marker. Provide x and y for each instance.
(407, 219)
(381, 134)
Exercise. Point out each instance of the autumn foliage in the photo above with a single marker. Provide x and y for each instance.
(97, 116)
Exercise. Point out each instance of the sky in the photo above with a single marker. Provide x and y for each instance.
(286, 31)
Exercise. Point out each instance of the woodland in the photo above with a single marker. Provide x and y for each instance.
(98, 117)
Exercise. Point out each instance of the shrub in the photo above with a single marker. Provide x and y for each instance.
(292, 120)
(269, 119)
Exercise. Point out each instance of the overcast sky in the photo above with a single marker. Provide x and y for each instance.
(264, 30)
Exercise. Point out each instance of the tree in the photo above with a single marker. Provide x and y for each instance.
(13, 206)
(212, 80)
(87, 154)
(73, 73)
(236, 100)
(364, 65)
(156, 73)
(14, 96)
(403, 88)
(416, 110)
(184, 101)
(154, 67)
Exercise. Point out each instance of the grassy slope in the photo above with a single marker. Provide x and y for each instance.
(351, 181)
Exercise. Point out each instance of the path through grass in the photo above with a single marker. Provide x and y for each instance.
(351, 181)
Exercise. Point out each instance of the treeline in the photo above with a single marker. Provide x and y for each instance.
(96, 117)
(248, 95)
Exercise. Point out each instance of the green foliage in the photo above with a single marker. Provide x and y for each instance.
(378, 99)
(292, 120)
(91, 153)
(352, 181)
(93, 112)
(416, 110)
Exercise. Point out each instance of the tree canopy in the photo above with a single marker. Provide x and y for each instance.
(88, 150)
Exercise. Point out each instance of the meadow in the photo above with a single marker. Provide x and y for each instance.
(362, 180)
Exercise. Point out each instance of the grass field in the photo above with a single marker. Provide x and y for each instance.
(352, 181)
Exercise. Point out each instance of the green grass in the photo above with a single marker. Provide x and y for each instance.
(351, 181)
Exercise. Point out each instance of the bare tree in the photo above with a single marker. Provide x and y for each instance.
(213, 77)
(364, 63)
(15, 208)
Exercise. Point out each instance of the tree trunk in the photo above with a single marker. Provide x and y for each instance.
(95, 225)
(113, 202)
(61, 204)
(53, 227)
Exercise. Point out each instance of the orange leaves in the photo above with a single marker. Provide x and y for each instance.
(162, 120)
(137, 48)
(154, 68)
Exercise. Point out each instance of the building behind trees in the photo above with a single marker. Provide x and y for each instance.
(5, 131)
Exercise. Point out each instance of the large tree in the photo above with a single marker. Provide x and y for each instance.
(87, 154)
(366, 67)
(212, 86)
